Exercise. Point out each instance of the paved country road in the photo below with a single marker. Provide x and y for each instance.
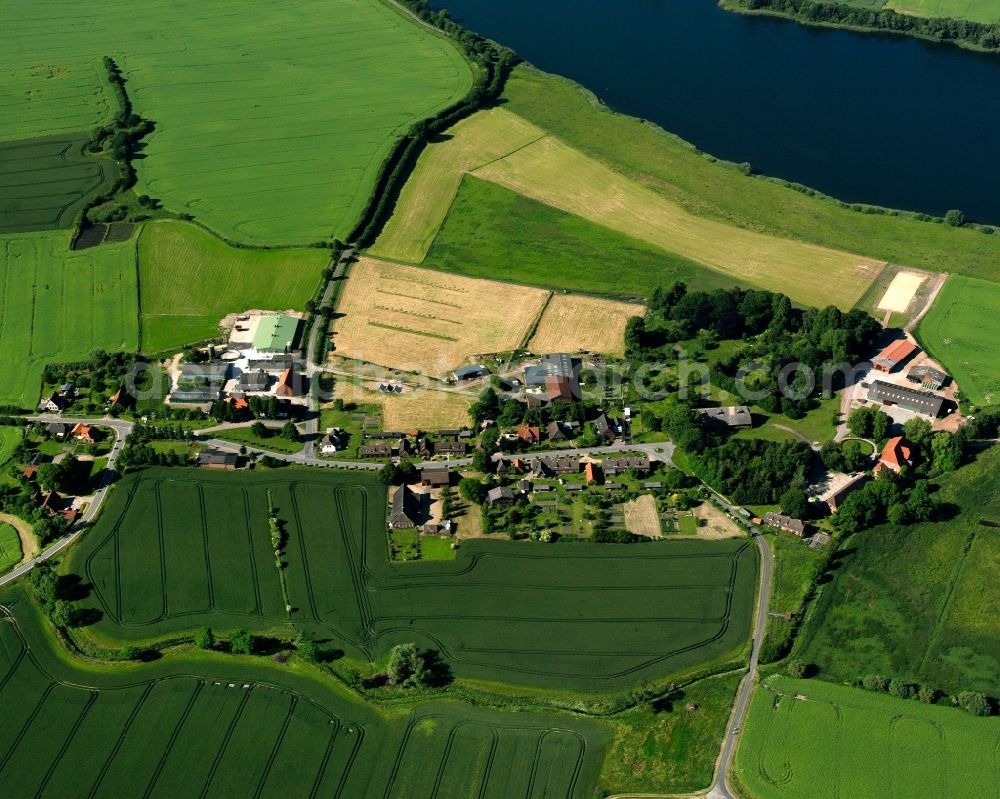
(121, 429)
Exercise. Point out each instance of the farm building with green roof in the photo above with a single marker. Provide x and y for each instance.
(276, 333)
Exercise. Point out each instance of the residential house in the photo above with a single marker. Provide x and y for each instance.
(558, 374)
(449, 448)
(590, 472)
(57, 429)
(639, 464)
(289, 384)
(736, 417)
(893, 355)
(380, 450)
(435, 476)
(122, 398)
(67, 391)
(919, 402)
(85, 433)
(896, 454)
(331, 443)
(529, 434)
(52, 404)
(216, 459)
(553, 467)
(609, 427)
(405, 511)
(786, 523)
(239, 404)
(652, 485)
(555, 432)
(501, 495)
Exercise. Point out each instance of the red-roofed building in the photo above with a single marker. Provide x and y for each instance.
(896, 454)
(83, 432)
(590, 472)
(289, 384)
(30, 472)
(529, 434)
(237, 403)
(893, 355)
(558, 389)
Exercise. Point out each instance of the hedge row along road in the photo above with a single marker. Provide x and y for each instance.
(176, 549)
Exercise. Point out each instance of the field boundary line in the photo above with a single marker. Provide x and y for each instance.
(94, 693)
(530, 334)
(277, 746)
(225, 742)
(121, 739)
(199, 686)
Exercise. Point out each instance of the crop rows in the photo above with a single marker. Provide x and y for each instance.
(214, 729)
(177, 550)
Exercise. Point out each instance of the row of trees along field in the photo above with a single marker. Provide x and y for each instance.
(979, 34)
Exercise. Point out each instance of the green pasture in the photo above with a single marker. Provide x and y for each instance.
(58, 305)
(274, 441)
(959, 330)
(272, 120)
(495, 233)
(972, 10)
(190, 280)
(918, 603)
(215, 725)
(45, 182)
(817, 740)
(10, 437)
(705, 187)
(177, 549)
(794, 561)
(10, 547)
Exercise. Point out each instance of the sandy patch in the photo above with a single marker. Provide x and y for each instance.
(901, 291)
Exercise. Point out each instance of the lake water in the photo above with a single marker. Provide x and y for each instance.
(880, 119)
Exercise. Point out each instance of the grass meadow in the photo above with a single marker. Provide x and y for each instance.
(959, 331)
(10, 437)
(174, 550)
(816, 740)
(10, 548)
(704, 187)
(973, 10)
(60, 305)
(199, 724)
(411, 410)
(190, 280)
(493, 232)
(45, 182)
(272, 121)
(919, 602)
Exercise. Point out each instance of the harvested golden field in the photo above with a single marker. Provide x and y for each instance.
(428, 194)
(573, 323)
(430, 322)
(642, 517)
(416, 409)
(552, 172)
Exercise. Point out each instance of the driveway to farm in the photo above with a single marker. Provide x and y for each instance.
(121, 429)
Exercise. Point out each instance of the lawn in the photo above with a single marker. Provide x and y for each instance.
(436, 547)
(10, 548)
(190, 280)
(274, 441)
(713, 190)
(520, 613)
(45, 182)
(272, 121)
(58, 305)
(665, 747)
(959, 332)
(217, 725)
(973, 10)
(816, 740)
(919, 602)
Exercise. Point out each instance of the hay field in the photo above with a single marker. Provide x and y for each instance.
(573, 322)
(960, 332)
(816, 740)
(272, 120)
(553, 172)
(973, 10)
(428, 194)
(190, 280)
(417, 409)
(901, 291)
(58, 305)
(420, 320)
(175, 549)
(642, 517)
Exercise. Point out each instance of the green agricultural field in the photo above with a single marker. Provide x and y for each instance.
(814, 740)
(959, 331)
(918, 603)
(177, 549)
(216, 725)
(45, 182)
(704, 187)
(58, 305)
(794, 562)
(10, 548)
(494, 233)
(10, 437)
(272, 120)
(972, 10)
(190, 280)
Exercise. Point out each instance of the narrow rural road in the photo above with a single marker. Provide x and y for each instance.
(121, 430)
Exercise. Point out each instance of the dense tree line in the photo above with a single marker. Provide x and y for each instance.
(985, 35)
(777, 337)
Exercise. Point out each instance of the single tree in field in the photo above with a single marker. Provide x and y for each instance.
(797, 669)
(955, 218)
(204, 638)
(242, 642)
(407, 667)
(307, 650)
